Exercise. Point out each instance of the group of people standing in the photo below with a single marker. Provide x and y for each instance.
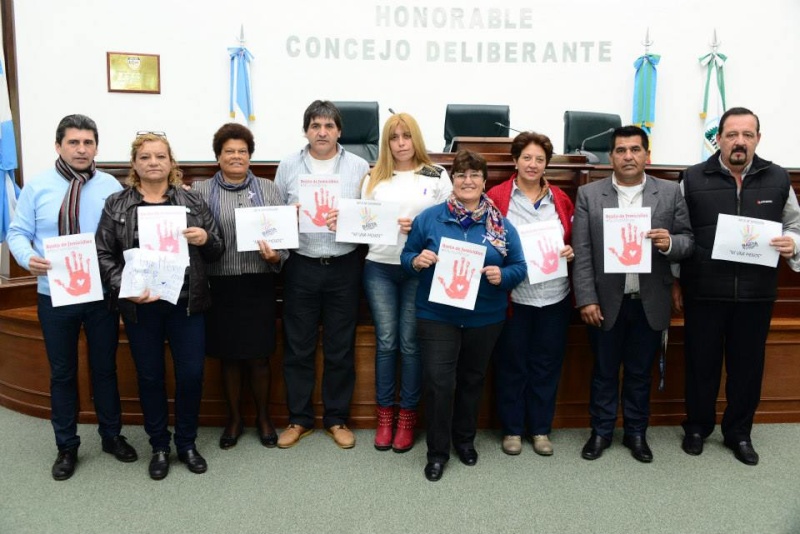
(423, 348)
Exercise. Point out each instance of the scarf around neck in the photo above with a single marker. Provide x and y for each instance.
(69, 214)
(495, 232)
(250, 183)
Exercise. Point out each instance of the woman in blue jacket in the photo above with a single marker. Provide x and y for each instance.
(456, 343)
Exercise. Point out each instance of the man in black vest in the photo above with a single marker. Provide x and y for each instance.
(727, 304)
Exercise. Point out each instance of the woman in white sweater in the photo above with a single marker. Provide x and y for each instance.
(403, 174)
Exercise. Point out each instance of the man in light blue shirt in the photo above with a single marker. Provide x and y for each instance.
(321, 282)
(65, 200)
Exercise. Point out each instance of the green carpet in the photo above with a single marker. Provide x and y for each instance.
(318, 488)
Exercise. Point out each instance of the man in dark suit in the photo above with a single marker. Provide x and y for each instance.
(626, 312)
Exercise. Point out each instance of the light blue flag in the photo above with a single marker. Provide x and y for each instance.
(9, 191)
(241, 95)
(644, 91)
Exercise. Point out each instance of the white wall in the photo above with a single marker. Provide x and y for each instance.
(61, 50)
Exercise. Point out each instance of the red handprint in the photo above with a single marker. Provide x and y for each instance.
(631, 246)
(167, 238)
(459, 285)
(80, 282)
(324, 203)
(549, 257)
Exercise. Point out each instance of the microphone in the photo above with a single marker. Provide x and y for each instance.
(507, 127)
(590, 156)
(391, 111)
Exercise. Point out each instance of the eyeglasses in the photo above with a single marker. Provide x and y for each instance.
(146, 132)
(474, 176)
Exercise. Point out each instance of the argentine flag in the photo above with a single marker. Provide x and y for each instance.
(9, 192)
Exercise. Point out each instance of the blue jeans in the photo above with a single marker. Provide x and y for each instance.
(158, 322)
(391, 293)
(528, 360)
(61, 327)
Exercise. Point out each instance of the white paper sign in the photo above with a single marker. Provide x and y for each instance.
(626, 248)
(746, 240)
(160, 272)
(368, 221)
(319, 194)
(277, 225)
(75, 276)
(541, 244)
(457, 275)
(161, 228)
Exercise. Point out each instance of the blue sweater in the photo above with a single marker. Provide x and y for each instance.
(36, 217)
(428, 229)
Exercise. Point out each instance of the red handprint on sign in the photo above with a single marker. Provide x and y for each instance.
(167, 238)
(549, 257)
(459, 285)
(80, 282)
(631, 246)
(324, 203)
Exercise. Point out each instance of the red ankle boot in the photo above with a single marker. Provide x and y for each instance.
(404, 438)
(383, 434)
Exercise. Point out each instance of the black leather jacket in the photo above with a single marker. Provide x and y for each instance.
(116, 233)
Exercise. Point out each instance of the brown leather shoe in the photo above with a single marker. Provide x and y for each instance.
(292, 435)
(342, 436)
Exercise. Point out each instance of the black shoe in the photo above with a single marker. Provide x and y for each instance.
(227, 441)
(744, 451)
(64, 466)
(639, 448)
(269, 439)
(159, 465)
(692, 444)
(594, 447)
(193, 460)
(467, 456)
(434, 470)
(118, 446)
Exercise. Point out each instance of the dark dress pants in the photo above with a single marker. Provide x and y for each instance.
(61, 328)
(454, 362)
(527, 365)
(633, 344)
(315, 290)
(156, 323)
(739, 329)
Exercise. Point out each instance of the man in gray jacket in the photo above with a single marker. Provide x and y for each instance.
(626, 313)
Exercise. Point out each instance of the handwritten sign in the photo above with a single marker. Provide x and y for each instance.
(318, 195)
(457, 275)
(626, 249)
(541, 244)
(74, 275)
(746, 240)
(368, 221)
(277, 225)
(160, 272)
(161, 228)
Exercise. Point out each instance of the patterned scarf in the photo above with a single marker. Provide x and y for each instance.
(495, 232)
(69, 214)
(250, 183)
